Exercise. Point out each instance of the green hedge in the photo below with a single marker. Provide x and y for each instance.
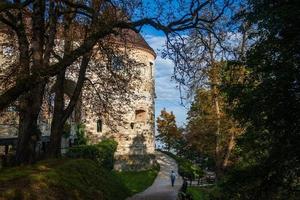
(81, 138)
(102, 153)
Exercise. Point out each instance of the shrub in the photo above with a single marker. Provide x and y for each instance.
(102, 153)
(189, 170)
(66, 130)
(80, 134)
(186, 168)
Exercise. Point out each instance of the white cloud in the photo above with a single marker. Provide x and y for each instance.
(156, 42)
(168, 95)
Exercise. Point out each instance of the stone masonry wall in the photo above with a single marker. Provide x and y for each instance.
(134, 132)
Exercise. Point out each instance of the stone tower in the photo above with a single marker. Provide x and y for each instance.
(134, 132)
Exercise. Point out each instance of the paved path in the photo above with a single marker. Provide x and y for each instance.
(161, 188)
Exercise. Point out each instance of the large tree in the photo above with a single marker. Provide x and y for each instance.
(107, 20)
(268, 104)
(37, 24)
(199, 60)
(202, 125)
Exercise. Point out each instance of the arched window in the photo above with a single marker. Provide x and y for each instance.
(140, 116)
(99, 125)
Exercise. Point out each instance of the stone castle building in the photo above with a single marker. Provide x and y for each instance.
(133, 130)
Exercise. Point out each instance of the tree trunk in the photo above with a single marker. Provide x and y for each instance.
(55, 139)
(57, 124)
(60, 114)
(229, 150)
(30, 106)
(218, 157)
(215, 94)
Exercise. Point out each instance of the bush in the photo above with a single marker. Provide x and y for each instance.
(66, 130)
(189, 170)
(186, 168)
(102, 153)
(80, 134)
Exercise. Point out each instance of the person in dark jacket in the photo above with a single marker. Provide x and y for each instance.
(173, 178)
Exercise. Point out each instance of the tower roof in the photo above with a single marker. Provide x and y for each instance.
(134, 39)
(124, 37)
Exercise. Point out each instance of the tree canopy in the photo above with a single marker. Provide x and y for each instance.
(169, 134)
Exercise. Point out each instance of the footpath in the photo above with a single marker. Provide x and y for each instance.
(161, 189)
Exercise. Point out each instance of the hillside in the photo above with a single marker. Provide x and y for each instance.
(61, 179)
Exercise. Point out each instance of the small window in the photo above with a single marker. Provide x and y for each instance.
(99, 125)
(151, 68)
(140, 116)
(132, 125)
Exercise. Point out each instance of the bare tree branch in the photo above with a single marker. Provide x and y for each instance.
(6, 5)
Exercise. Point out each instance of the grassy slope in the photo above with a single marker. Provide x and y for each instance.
(138, 181)
(61, 179)
(197, 193)
(200, 193)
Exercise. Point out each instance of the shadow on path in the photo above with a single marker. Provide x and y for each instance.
(161, 188)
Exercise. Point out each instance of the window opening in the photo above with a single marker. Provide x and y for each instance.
(99, 125)
(140, 116)
(151, 68)
(132, 125)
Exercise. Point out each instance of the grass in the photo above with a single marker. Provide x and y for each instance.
(197, 193)
(62, 179)
(71, 179)
(201, 193)
(138, 181)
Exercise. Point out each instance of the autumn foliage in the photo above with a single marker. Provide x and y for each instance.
(167, 129)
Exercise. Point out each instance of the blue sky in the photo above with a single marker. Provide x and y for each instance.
(168, 95)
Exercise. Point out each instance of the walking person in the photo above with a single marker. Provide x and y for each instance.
(173, 177)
